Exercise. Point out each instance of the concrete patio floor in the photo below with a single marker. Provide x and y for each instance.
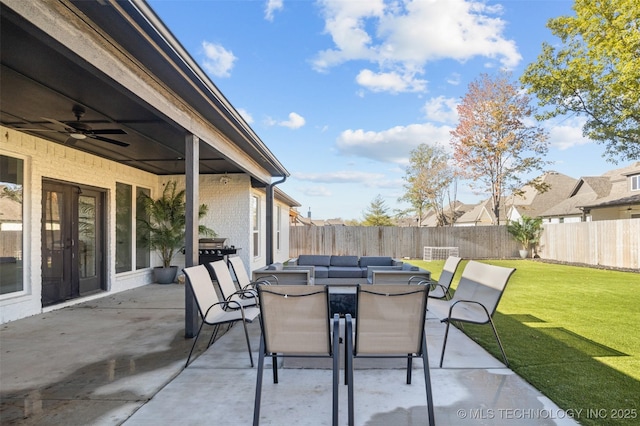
(119, 360)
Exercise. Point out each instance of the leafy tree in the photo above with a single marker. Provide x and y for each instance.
(428, 178)
(595, 73)
(376, 214)
(493, 147)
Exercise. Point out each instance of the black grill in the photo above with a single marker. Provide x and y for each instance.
(212, 249)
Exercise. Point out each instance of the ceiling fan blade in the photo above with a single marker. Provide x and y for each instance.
(108, 132)
(36, 130)
(56, 122)
(112, 141)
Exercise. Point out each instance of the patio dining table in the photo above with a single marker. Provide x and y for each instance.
(342, 300)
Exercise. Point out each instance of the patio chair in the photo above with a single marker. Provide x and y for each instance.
(440, 289)
(243, 280)
(295, 323)
(228, 291)
(390, 324)
(212, 311)
(475, 300)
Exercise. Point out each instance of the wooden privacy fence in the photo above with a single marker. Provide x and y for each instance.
(613, 243)
(477, 242)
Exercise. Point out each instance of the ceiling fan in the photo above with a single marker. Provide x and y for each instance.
(79, 130)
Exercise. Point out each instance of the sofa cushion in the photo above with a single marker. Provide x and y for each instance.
(351, 261)
(314, 260)
(321, 271)
(375, 261)
(409, 267)
(345, 272)
(275, 267)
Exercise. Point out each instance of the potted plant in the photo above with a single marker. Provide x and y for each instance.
(527, 232)
(163, 228)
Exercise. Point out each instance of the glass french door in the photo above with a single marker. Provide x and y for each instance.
(72, 242)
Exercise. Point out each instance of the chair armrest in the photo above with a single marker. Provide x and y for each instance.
(226, 304)
(420, 278)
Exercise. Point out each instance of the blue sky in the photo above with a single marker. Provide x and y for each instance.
(342, 91)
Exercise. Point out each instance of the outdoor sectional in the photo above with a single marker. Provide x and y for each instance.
(342, 270)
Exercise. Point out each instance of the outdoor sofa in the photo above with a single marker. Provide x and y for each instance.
(342, 270)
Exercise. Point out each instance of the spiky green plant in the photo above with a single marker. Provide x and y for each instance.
(526, 231)
(164, 222)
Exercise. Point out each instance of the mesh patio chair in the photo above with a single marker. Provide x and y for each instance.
(390, 324)
(440, 289)
(476, 298)
(295, 323)
(243, 280)
(214, 312)
(245, 297)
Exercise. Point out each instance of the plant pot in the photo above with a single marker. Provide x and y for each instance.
(163, 275)
(524, 254)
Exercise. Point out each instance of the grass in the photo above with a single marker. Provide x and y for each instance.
(572, 332)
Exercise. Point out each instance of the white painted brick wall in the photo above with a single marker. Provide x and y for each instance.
(43, 159)
(229, 212)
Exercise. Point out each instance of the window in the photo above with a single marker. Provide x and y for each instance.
(123, 227)
(278, 226)
(635, 183)
(11, 224)
(255, 224)
(143, 255)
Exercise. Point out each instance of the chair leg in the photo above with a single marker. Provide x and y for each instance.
(194, 344)
(214, 334)
(409, 368)
(349, 366)
(427, 381)
(444, 343)
(246, 335)
(274, 368)
(256, 405)
(495, 333)
(336, 367)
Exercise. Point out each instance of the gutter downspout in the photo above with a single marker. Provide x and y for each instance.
(269, 235)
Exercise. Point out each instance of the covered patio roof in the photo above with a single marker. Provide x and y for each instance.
(133, 80)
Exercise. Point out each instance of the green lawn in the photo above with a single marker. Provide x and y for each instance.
(572, 332)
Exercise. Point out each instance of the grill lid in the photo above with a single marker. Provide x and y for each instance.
(212, 243)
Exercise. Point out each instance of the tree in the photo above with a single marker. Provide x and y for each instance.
(493, 147)
(428, 178)
(376, 214)
(595, 73)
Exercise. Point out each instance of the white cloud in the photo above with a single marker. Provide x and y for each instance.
(316, 191)
(218, 60)
(295, 121)
(392, 145)
(390, 82)
(567, 134)
(245, 114)
(271, 7)
(442, 110)
(409, 35)
(339, 177)
(454, 79)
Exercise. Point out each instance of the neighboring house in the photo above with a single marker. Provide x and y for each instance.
(614, 195)
(530, 203)
(533, 203)
(100, 103)
(454, 210)
(479, 215)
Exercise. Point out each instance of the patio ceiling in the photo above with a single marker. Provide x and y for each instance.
(128, 74)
